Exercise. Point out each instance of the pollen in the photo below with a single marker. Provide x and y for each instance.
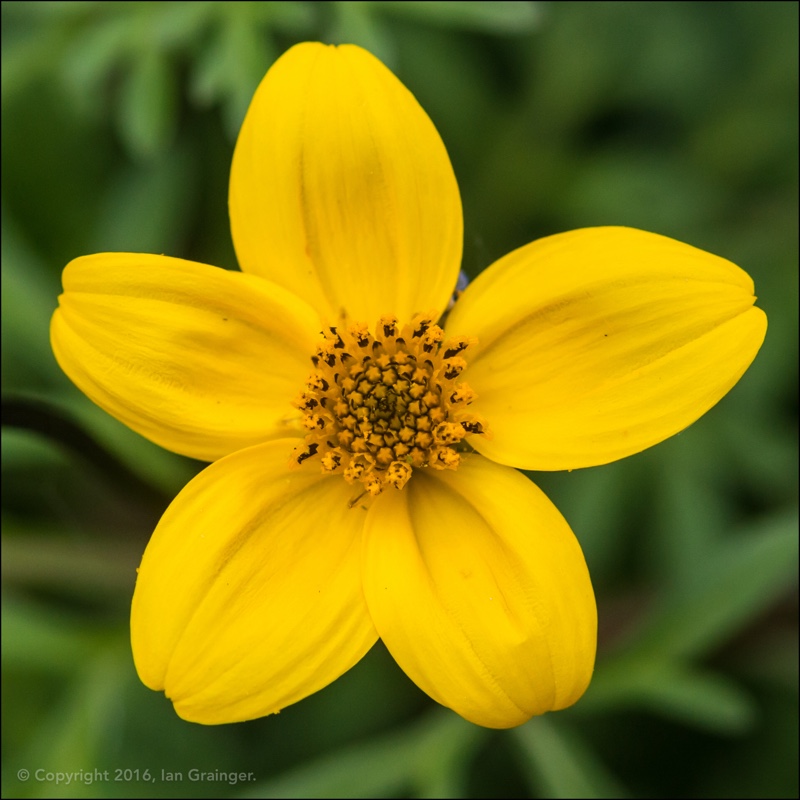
(378, 406)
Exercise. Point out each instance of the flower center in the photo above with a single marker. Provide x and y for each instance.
(378, 406)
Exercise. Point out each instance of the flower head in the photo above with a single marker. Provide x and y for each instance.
(364, 446)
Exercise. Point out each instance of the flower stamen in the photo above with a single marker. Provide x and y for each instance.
(377, 406)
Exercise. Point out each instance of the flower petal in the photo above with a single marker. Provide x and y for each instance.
(249, 595)
(480, 591)
(200, 360)
(596, 344)
(342, 191)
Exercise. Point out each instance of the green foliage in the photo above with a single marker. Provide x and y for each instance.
(561, 765)
(681, 118)
(427, 758)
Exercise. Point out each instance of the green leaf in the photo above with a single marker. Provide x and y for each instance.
(25, 450)
(92, 54)
(288, 17)
(744, 576)
(600, 507)
(701, 700)
(231, 68)
(691, 511)
(171, 26)
(38, 639)
(50, 9)
(358, 23)
(707, 701)
(27, 58)
(148, 105)
(558, 764)
(148, 207)
(501, 17)
(445, 747)
(91, 569)
(761, 449)
(72, 736)
(28, 301)
(430, 756)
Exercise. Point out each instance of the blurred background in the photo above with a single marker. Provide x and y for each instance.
(119, 121)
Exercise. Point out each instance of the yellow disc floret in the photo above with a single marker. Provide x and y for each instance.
(376, 406)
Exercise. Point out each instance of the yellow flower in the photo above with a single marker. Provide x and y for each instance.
(364, 482)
